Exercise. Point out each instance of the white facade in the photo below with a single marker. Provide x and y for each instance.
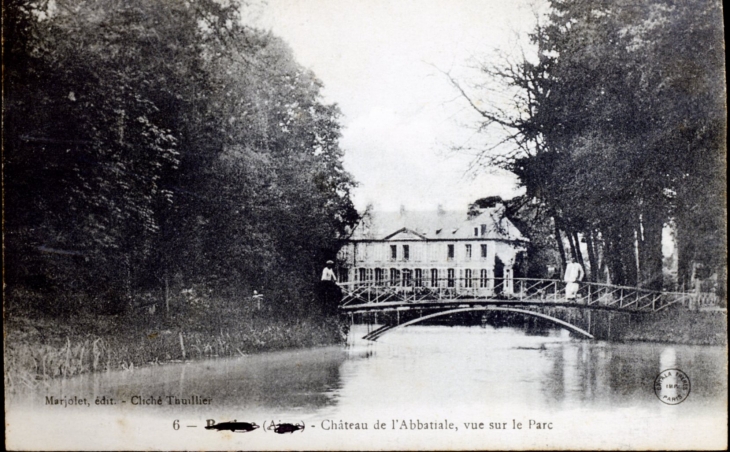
(430, 249)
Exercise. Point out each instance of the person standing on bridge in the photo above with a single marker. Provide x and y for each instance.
(331, 294)
(573, 273)
(328, 274)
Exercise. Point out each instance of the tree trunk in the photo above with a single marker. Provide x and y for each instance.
(167, 295)
(627, 252)
(685, 257)
(621, 255)
(578, 252)
(613, 257)
(593, 274)
(569, 234)
(650, 250)
(561, 247)
(600, 252)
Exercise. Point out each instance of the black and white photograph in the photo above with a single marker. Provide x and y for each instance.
(364, 225)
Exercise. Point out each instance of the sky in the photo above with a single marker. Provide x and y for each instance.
(382, 62)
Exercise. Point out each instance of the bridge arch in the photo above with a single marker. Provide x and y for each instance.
(374, 335)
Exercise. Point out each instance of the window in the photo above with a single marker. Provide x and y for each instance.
(434, 277)
(483, 278)
(370, 274)
(393, 252)
(467, 278)
(406, 252)
(476, 232)
(361, 274)
(468, 252)
(450, 251)
(484, 229)
(394, 276)
(484, 251)
(407, 277)
(450, 277)
(418, 277)
(379, 275)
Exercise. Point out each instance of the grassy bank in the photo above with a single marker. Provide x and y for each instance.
(679, 326)
(40, 347)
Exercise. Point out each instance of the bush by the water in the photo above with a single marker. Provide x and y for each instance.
(40, 347)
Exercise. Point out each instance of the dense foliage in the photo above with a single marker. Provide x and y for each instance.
(619, 126)
(154, 145)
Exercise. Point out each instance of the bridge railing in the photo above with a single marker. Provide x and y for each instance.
(525, 289)
(623, 297)
(447, 289)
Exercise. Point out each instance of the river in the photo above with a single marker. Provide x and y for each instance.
(472, 387)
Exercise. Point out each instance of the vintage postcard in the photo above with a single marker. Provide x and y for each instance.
(364, 225)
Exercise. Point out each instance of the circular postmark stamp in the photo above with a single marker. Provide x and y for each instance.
(672, 386)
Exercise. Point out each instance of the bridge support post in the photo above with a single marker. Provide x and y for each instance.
(589, 322)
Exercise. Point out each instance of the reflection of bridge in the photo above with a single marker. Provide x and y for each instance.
(404, 303)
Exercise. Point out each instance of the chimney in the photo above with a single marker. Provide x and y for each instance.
(402, 210)
(440, 210)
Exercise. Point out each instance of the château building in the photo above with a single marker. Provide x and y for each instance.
(435, 249)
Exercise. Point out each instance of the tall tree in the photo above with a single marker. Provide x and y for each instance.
(613, 126)
(152, 141)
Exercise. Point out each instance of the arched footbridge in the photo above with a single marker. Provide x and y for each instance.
(394, 305)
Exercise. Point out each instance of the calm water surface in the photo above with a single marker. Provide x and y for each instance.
(594, 393)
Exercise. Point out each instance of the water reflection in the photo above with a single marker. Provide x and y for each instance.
(667, 359)
(590, 391)
(306, 379)
(506, 368)
(425, 369)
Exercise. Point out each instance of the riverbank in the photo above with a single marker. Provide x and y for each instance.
(39, 348)
(678, 326)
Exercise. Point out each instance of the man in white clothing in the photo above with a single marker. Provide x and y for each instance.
(328, 274)
(573, 273)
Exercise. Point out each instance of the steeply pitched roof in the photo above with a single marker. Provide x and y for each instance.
(437, 225)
